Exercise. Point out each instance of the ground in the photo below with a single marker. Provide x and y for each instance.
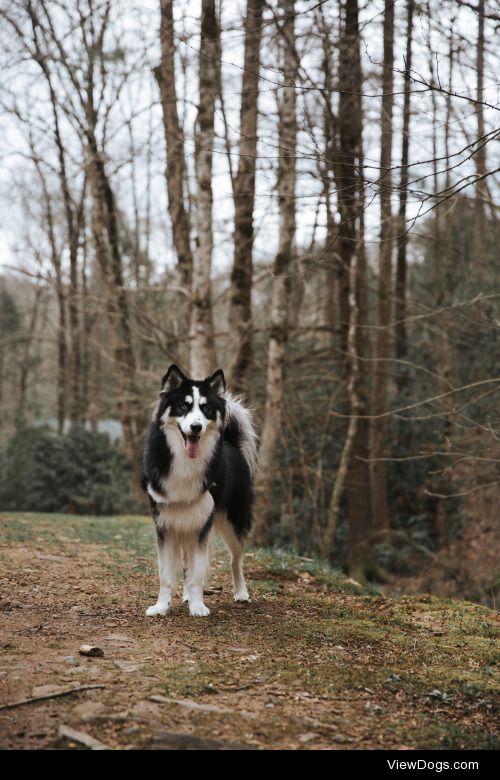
(312, 662)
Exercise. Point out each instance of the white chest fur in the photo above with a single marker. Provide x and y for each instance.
(186, 518)
(184, 482)
(186, 506)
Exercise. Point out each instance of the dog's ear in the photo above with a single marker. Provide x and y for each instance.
(217, 382)
(172, 379)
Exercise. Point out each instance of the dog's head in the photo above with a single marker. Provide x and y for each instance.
(193, 408)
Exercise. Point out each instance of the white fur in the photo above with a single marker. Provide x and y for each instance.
(236, 410)
(168, 566)
(156, 496)
(182, 524)
(185, 478)
(197, 559)
(195, 416)
(183, 511)
(235, 547)
(185, 519)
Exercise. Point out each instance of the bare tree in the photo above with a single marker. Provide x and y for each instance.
(402, 238)
(240, 302)
(480, 156)
(352, 475)
(25, 362)
(361, 561)
(203, 355)
(105, 218)
(281, 282)
(356, 445)
(380, 401)
(175, 171)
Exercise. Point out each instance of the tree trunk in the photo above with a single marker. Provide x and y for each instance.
(352, 387)
(447, 357)
(73, 219)
(25, 363)
(380, 404)
(480, 156)
(350, 186)
(89, 317)
(345, 159)
(203, 355)
(281, 284)
(360, 563)
(175, 171)
(436, 129)
(106, 239)
(240, 305)
(330, 288)
(62, 347)
(402, 241)
(449, 254)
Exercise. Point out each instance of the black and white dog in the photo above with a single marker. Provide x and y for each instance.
(199, 462)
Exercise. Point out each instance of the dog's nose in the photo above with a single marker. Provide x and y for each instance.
(196, 427)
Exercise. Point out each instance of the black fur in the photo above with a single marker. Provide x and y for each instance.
(227, 476)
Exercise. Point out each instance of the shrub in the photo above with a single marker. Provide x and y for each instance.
(80, 472)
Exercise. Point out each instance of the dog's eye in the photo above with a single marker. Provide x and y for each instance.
(184, 408)
(206, 409)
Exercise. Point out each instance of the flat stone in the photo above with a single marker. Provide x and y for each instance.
(65, 732)
(128, 666)
(89, 710)
(119, 638)
(308, 737)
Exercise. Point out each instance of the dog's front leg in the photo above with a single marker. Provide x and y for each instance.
(168, 566)
(198, 561)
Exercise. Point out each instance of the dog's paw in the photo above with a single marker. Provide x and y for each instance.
(199, 610)
(157, 609)
(241, 595)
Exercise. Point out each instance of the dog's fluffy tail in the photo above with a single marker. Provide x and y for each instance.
(239, 429)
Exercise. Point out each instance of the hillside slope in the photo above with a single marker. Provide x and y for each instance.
(311, 662)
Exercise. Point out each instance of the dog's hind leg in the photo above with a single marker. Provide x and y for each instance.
(235, 545)
(168, 566)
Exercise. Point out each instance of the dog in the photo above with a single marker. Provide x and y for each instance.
(199, 461)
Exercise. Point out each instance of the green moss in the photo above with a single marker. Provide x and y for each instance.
(287, 563)
(133, 533)
(452, 736)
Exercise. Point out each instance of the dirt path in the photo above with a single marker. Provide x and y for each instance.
(310, 663)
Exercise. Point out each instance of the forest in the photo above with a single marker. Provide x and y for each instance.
(303, 193)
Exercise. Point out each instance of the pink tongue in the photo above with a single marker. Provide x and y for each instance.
(192, 447)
